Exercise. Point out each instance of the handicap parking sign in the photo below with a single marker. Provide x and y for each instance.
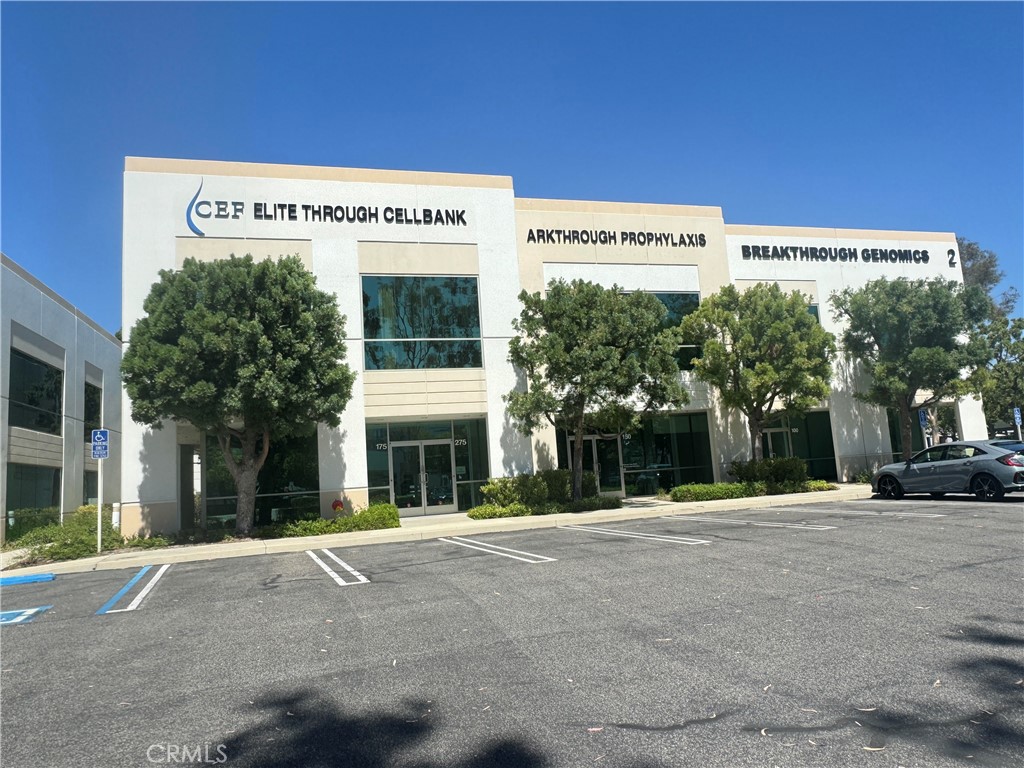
(923, 418)
(1016, 416)
(100, 436)
(100, 451)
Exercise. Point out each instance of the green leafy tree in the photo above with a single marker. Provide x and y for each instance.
(763, 351)
(914, 337)
(248, 351)
(1002, 381)
(594, 358)
(981, 269)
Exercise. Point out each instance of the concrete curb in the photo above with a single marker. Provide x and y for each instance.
(420, 528)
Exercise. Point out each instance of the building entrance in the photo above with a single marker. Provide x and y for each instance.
(601, 456)
(422, 476)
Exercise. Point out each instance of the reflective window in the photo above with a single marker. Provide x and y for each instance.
(938, 453)
(288, 487)
(37, 394)
(93, 415)
(679, 305)
(421, 322)
(813, 310)
(33, 498)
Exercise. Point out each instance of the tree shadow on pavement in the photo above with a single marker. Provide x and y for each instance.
(303, 730)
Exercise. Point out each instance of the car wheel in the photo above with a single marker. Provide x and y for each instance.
(889, 487)
(937, 495)
(987, 488)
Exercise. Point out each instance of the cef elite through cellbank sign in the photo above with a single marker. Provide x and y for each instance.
(201, 210)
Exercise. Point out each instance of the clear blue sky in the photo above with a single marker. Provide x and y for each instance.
(888, 116)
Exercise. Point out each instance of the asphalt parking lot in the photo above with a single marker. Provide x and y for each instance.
(867, 633)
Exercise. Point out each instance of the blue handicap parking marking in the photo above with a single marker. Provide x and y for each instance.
(23, 616)
(9, 581)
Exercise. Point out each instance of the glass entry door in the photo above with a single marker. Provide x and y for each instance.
(775, 444)
(601, 456)
(422, 480)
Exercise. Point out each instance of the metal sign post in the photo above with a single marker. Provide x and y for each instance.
(922, 417)
(100, 451)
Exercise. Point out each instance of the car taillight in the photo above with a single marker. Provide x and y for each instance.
(1012, 460)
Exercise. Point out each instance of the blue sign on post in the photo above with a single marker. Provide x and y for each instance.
(1016, 416)
(101, 443)
(923, 418)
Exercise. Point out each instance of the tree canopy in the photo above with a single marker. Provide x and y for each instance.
(1002, 381)
(981, 268)
(914, 337)
(763, 351)
(594, 359)
(244, 350)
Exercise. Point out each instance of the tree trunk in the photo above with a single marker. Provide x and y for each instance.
(906, 429)
(245, 472)
(577, 462)
(756, 448)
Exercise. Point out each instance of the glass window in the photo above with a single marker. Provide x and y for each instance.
(33, 498)
(91, 487)
(421, 322)
(813, 310)
(679, 305)
(93, 416)
(938, 453)
(378, 473)
(36, 394)
(288, 487)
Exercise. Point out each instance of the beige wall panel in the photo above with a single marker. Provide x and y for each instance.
(828, 232)
(353, 498)
(397, 388)
(36, 448)
(446, 374)
(596, 206)
(215, 248)
(418, 259)
(456, 409)
(413, 400)
(146, 519)
(465, 398)
(456, 386)
(268, 171)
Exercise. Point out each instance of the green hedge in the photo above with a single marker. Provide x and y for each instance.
(71, 541)
(715, 491)
(779, 471)
(374, 517)
(549, 485)
(490, 511)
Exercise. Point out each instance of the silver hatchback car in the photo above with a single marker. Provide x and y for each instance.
(977, 467)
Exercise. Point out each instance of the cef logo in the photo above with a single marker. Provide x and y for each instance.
(206, 209)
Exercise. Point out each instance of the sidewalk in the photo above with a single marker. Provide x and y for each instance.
(430, 527)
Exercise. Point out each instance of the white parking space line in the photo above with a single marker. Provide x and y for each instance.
(634, 534)
(702, 519)
(861, 512)
(134, 604)
(346, 566)
(337, 579)
(492, 549)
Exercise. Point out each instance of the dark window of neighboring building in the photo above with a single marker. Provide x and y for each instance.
(813, 309)
(37, 394)
(421, 322)
(33, 498)
(93, 410)
(679, 305)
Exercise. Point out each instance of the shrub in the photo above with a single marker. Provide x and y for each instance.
(547, 508)
(864, 476)
(715, 491)
(559, 483)
(490, 511)
(593, 502)
(774, 470)
(521, 489)
(819, 485)
(148, 542)
(73, 540)
(374, 517)
(28, 519)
